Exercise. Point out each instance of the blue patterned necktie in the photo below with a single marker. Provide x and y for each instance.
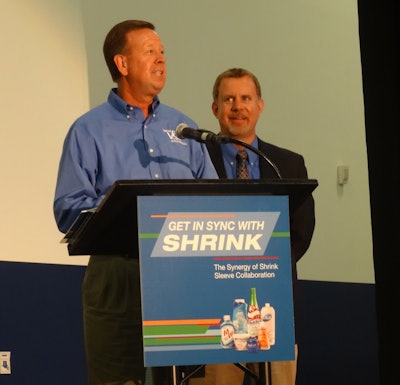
(241, 169)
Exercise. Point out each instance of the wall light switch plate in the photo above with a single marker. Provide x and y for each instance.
(342, 175)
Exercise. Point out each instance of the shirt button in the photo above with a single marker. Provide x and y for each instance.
(151, 150)
(156, 176)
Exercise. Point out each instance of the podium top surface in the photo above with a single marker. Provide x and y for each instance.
(214, 186)
(111, 228)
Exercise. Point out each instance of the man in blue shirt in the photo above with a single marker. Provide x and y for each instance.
(131, 136)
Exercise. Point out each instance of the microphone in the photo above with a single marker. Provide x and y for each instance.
(183, 131)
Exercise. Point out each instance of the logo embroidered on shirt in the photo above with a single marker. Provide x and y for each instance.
(172, 136)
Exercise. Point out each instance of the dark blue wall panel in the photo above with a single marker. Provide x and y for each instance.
(337, 334)
(41, 324)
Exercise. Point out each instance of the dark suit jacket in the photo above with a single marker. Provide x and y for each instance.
(290, 165)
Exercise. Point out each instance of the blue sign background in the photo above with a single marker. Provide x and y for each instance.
(185, 295)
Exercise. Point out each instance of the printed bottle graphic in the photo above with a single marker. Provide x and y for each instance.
(268, 319)
(263, 341)
(239, 315)
(253, 314)
(227, 332)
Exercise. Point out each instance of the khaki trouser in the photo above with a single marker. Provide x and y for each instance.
(282, 373)
(120, 383)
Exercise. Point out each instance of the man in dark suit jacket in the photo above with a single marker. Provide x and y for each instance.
(238, 104)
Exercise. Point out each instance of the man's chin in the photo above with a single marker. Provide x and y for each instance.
(237, 129)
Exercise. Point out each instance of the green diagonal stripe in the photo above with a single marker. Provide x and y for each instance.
(181, 341)
(280, 234)
(148, 235)
(174, 329)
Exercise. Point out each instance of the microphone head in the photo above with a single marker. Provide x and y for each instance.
(179, 130)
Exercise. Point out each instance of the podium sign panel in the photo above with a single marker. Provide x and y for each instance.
(198, 254)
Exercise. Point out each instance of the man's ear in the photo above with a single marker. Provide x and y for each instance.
(121, 63)
(214, 108)
(261, 105)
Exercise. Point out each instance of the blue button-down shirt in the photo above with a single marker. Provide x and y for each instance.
(229, 152)
(114, 141)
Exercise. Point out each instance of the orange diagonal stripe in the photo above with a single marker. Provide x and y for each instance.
(200, 215)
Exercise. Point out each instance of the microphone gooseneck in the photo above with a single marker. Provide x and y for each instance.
(259, 153)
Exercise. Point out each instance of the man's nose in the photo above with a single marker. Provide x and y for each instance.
(161, 58)
(237, 104)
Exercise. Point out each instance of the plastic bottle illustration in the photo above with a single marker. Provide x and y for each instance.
(268, 319)
(253, 345)
(263, 341)
(239, 315)
(253, 314)
(227, 332)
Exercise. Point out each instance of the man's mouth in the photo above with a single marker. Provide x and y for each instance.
(237, 118)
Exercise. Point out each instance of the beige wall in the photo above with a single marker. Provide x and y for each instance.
(43, 78)
(305, 53)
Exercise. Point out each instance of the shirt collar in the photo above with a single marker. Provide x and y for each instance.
(122, 106)
(230, 151)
